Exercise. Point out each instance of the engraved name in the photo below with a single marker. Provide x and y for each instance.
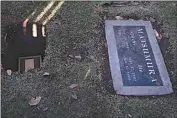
(146, 52)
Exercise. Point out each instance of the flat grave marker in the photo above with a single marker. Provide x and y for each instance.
(136, 62)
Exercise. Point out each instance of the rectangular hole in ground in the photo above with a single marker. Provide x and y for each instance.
(21, 43)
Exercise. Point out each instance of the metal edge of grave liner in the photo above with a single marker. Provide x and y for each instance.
(115, 66)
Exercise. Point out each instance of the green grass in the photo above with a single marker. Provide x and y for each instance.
(79, 26)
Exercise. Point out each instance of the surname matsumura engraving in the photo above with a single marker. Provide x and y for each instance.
(136, 63)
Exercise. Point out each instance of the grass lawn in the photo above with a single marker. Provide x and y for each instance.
(79, 28)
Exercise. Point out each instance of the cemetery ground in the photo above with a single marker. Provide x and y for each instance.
(76, 53)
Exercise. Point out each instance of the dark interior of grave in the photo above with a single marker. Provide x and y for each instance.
(20, 44)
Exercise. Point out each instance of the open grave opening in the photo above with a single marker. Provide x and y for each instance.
(25, 46)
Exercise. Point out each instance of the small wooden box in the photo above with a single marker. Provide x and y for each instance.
(27, 63)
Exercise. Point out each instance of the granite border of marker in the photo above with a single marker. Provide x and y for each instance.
(115, 66)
